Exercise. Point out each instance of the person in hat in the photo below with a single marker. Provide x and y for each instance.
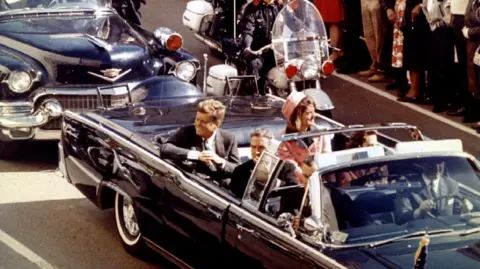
(299, 110)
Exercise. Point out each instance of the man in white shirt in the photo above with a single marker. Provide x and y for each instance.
(214, 149)
(436, 198)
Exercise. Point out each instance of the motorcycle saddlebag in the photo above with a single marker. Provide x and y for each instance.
(194, 14)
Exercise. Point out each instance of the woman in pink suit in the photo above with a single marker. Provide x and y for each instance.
(299, 110)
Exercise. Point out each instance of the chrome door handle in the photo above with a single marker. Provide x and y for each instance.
(217, 214)
(241, 228)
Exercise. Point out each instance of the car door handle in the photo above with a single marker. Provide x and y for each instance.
(218, 215)
(241, 228)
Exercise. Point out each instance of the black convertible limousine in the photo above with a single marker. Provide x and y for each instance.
(112, 157)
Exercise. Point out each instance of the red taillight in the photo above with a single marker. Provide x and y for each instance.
(174, 42)
(291, 71)
(328, 67)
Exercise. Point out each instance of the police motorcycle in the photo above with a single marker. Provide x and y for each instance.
(214, 23)
(129, 9)
(301, 50)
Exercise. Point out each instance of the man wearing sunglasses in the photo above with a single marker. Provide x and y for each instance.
(213, 149)
(438, 196)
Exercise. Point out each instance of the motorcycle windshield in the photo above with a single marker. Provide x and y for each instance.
(299, 33)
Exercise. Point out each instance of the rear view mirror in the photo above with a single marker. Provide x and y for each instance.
(313, 224)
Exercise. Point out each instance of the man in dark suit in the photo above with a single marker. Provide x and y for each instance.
(435, 198)
(260, 140)
(215, 149)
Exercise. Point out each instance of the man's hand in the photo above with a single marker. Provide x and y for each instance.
(392, 16)
(425, 206)
(208, 156)
(416, 12)
(465, 32)
(307, 171)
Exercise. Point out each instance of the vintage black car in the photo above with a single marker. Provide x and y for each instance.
(59, 54)
(113, 158)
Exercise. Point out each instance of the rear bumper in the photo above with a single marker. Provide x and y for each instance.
(39, 118)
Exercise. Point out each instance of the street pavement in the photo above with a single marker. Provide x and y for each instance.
(46, 223)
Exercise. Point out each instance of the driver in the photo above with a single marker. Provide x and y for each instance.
(215, 149)
(255, 26)
(435, 198)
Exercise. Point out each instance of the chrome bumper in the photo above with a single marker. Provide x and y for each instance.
(39, 118)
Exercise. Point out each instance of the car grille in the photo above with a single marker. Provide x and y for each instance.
(80, 103)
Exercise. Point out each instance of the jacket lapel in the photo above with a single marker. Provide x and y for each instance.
(219, 146)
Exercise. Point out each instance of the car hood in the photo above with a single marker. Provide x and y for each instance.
(68, 48)
(443, 252)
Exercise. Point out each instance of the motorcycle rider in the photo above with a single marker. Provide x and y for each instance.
(255, 27)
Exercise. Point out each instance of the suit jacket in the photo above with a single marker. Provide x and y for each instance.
(407, 202)
(185, 139)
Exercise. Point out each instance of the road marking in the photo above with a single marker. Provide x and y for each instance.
(24, 251)
(418, 109)
(34, 186)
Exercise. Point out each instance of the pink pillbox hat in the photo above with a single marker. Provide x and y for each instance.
(291, 103)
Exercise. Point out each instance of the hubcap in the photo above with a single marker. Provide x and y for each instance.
(129, 218)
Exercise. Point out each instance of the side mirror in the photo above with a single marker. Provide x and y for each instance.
(313, 224)
(285, 221)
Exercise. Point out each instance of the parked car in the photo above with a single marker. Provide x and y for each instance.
(57, 55)
(112, 157)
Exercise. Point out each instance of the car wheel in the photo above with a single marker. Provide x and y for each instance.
(8, 149)
(127, 225)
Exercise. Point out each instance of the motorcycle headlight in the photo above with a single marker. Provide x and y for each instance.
(185, 71)
(309, 69)
(20, 81)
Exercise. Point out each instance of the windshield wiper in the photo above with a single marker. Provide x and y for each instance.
(470, 231)
(98, 42)
(414, 234)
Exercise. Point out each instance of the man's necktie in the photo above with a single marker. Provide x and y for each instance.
(432, 190)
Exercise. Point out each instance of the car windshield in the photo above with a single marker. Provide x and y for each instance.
(8, 6)
(386, 199)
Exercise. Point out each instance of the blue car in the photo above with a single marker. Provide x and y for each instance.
(58, 55)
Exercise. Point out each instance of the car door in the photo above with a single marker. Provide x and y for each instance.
(263, 243)
(195, 215)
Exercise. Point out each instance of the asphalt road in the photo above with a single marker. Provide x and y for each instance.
(51, 219)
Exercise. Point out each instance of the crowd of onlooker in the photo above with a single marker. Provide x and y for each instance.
(424, 49)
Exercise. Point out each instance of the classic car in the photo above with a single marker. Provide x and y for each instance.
(59, 54)
(113, 158)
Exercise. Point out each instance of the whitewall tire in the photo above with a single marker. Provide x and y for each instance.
(126, 219)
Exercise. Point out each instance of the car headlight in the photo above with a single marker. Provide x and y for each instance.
(19, 81)
(309, 69)
(185, 71)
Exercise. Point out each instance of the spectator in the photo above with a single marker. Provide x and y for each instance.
(392, 53)
(471, 31)
(458, 8)
(415, 29)
(356, 55)
(332, 15)
(440, 52)
(373, 31)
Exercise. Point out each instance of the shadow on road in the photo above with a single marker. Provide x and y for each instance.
(32, 156)
(72, 234)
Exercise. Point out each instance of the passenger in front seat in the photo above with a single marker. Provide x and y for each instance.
(260, 140)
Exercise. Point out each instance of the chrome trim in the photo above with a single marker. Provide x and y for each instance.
(34, 77)
(329, 262)
(173, 70)
(81, 91)
(162, 34)
(48, 110)
(110, 79)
